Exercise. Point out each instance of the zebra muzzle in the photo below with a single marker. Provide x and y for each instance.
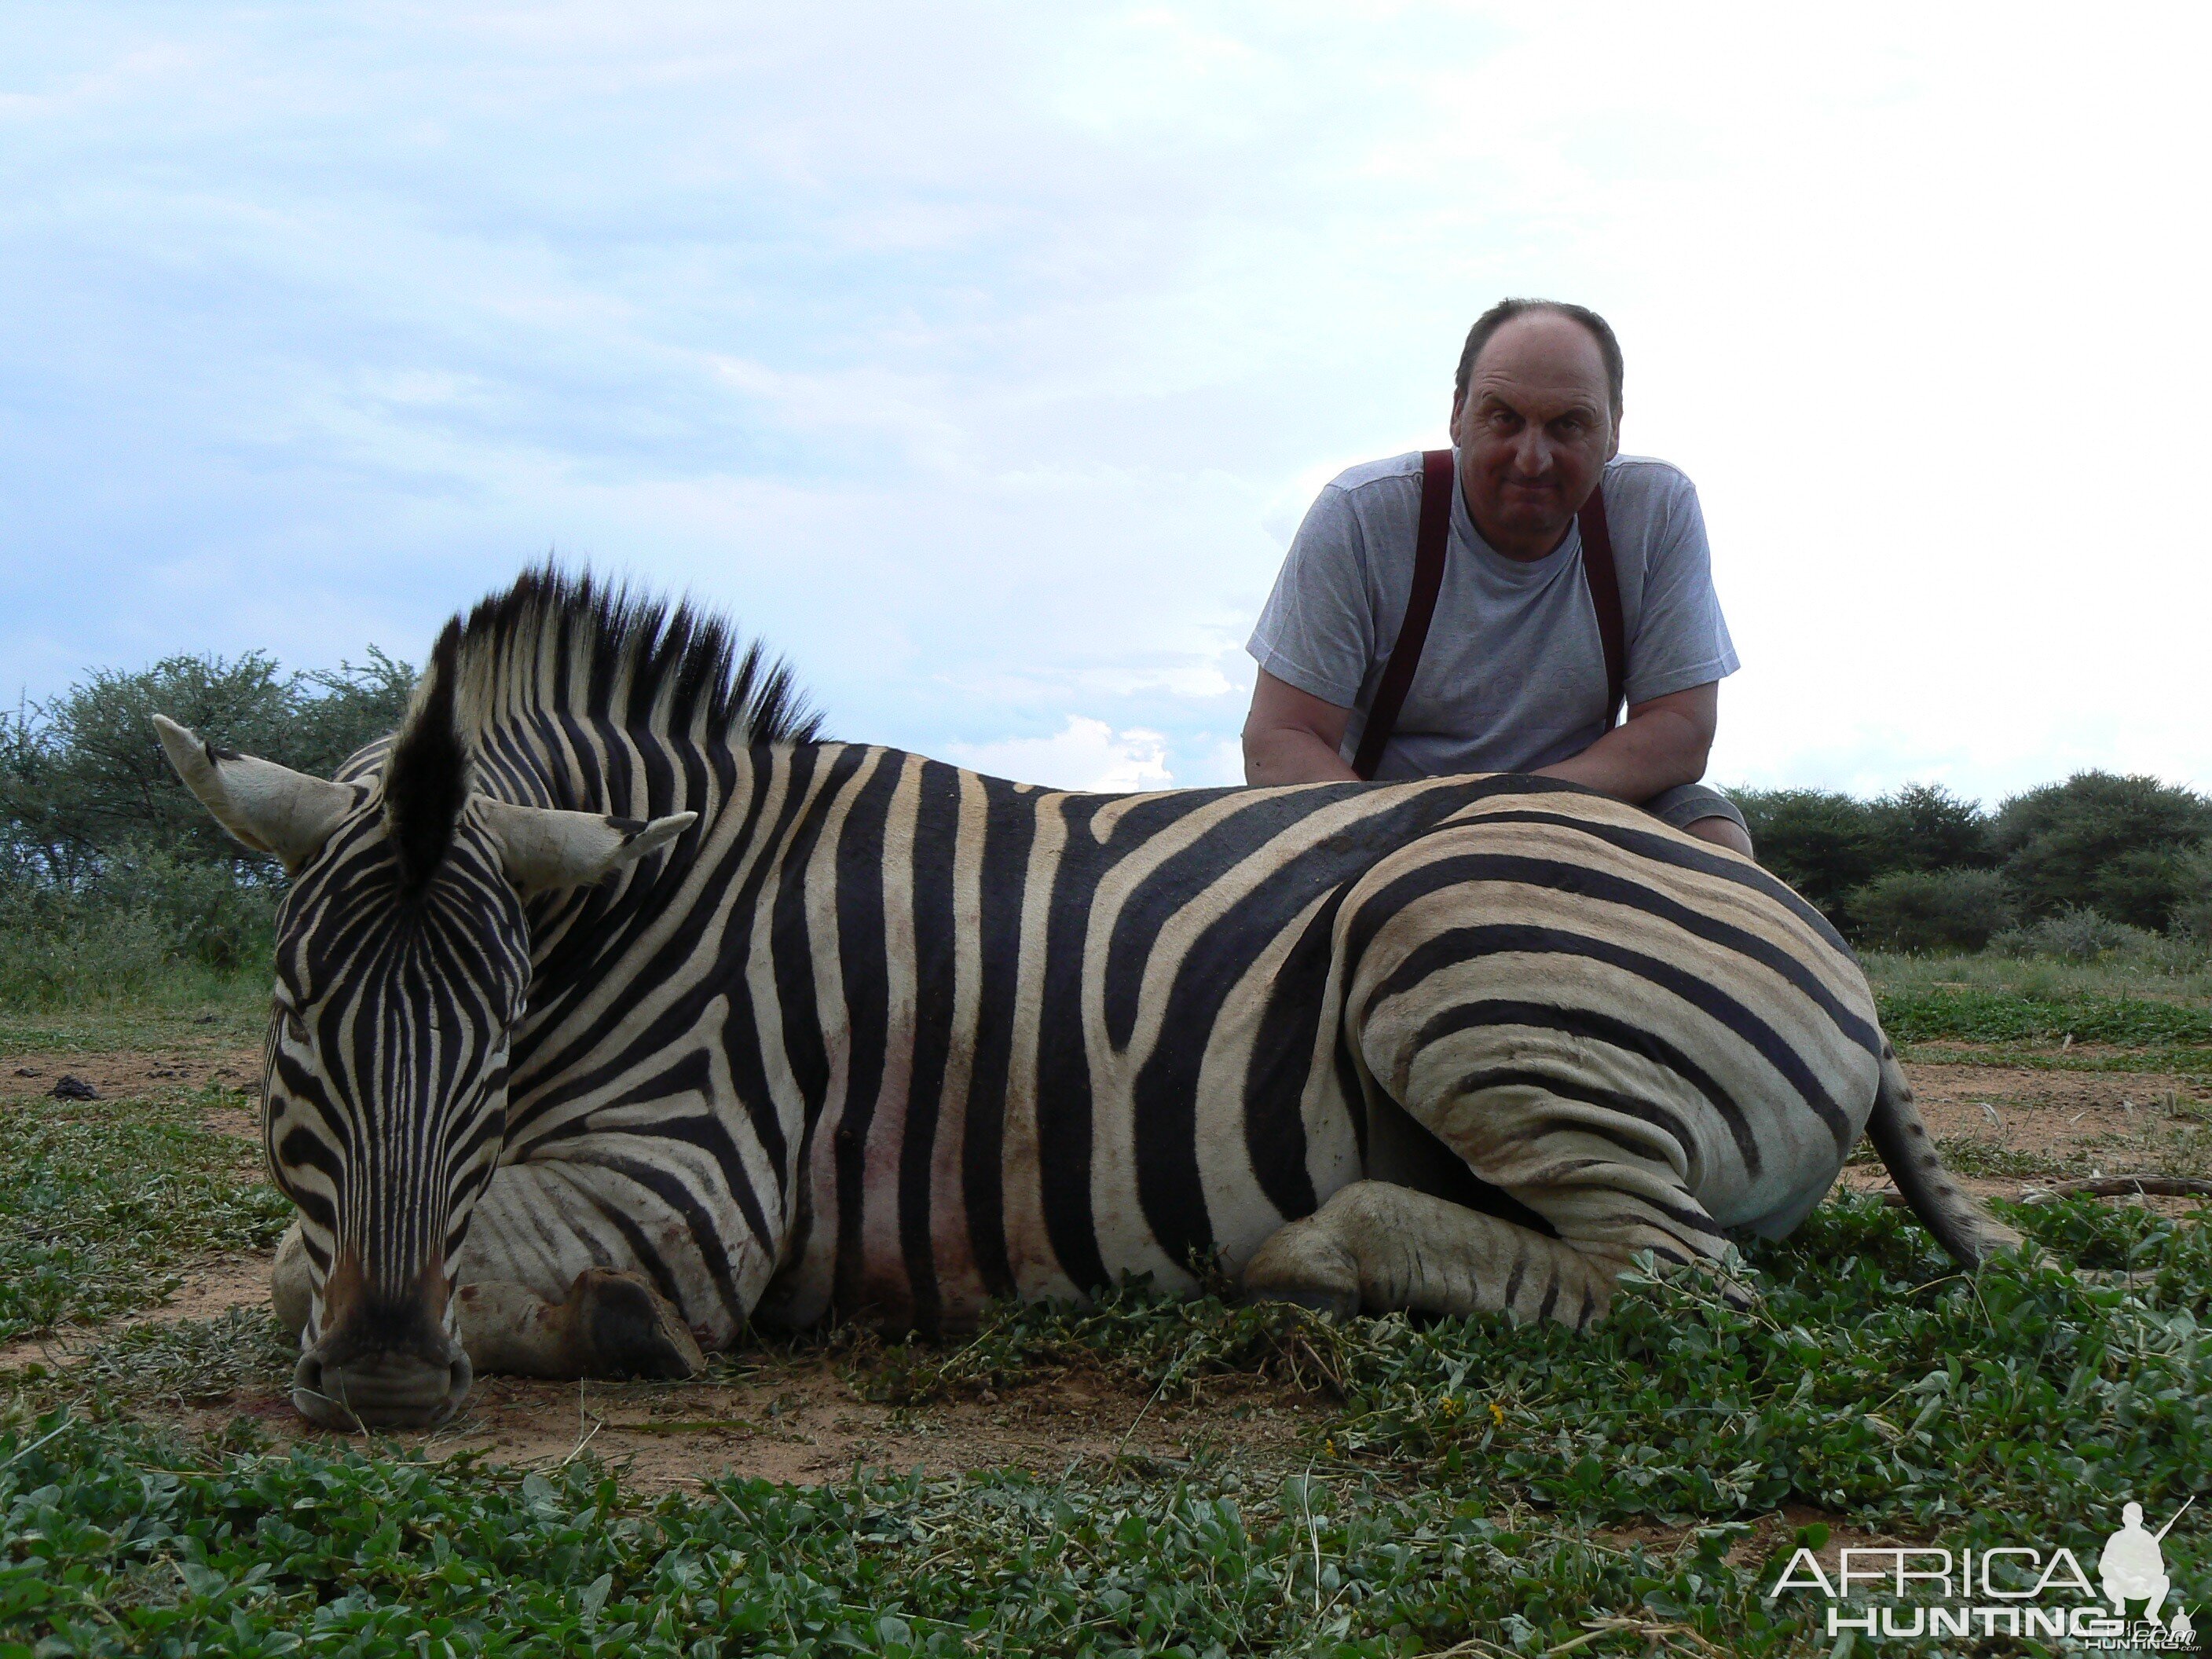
(383, 1362)
(386, 1390)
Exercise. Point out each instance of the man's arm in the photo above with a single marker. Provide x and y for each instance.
(1662, 743)
(1293, 737)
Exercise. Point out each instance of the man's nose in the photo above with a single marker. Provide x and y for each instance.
(1532, 453)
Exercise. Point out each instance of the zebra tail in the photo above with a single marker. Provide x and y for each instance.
(1958, 1221)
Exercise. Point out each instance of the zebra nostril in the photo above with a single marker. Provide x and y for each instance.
(308, 1375)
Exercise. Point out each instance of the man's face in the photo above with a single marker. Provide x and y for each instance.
(1534, 432)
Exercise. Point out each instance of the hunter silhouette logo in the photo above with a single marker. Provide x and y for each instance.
(1888, 1592)
(2133, 1567)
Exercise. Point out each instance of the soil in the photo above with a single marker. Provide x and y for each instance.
(2110, 1122)
(121, 1075)
(799, 1420)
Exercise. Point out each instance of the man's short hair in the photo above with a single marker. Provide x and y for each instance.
(1506, 310)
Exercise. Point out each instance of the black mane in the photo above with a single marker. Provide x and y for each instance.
(632, 659)
(562, 644)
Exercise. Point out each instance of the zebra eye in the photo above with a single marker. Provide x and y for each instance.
(294, 1027)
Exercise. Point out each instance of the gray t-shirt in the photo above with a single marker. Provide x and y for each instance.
(1512, 677)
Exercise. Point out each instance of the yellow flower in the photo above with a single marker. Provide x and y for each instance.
(1497, 1416)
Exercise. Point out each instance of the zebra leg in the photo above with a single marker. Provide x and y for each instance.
(291, 1282)
(575, 1268)
(611, 1323)
(1382, 1247)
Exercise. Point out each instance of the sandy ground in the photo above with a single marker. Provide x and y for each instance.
(795, 1418)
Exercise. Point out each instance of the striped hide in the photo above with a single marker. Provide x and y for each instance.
(560, 1071)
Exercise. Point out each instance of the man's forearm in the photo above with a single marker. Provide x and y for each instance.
(1288, 754)
(1636, 760)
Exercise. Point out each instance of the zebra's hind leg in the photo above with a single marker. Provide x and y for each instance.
(611, 1323)
(1378, 1247)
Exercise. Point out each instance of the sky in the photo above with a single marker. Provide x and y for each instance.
(983, 358)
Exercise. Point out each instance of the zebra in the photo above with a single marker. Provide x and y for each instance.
(615, 1008)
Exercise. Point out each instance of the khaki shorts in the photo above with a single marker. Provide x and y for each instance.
(1686, 803)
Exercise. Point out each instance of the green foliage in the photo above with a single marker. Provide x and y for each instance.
(2071, 935)
(1872, 1379)
(83, 775)
(103, 1198)
(1828, 845)
(1932, 910)
(1924, 827)
(113, 881)
(2121, 846)
(1821, 842)
(123, 1541)
(2192, 911)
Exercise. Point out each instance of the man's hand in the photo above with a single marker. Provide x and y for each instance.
(1293, 737)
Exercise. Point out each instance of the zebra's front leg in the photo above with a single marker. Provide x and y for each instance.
(1379, 1247)
(611, 1323)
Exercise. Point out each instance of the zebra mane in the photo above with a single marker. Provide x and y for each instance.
(560, 644)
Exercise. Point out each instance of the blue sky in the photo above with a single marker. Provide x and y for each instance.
(984, 357)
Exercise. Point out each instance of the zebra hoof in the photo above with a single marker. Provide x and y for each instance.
(628, 1329)
(1303, 1264)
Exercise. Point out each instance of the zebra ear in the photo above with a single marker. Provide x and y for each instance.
(271, 808)
(543, 847)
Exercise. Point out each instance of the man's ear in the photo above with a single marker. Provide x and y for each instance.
(1614, 448)
(542, 847)
(271, 808)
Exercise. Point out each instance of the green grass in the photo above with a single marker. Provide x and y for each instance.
(237, 1016)
(2041, 977)
(125, 1542)
(1464, 1477)
(104, 1199)
(1977, 1016)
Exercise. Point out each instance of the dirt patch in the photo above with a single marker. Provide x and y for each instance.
(798, 1421)
(124, 1074)
(210, 1288)
(2008, 1130)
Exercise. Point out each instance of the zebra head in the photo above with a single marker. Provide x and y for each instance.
(402, 965)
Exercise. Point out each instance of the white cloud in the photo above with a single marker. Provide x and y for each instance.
(1085, 754)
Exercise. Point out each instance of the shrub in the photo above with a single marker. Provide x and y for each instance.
(1823, 843)
(2120, 845)
(2192, 917)
(1932, 910)
(1925, 827)
(2072, 935)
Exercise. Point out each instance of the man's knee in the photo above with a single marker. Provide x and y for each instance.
(1722, 832)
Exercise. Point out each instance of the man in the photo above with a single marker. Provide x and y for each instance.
(1512, 675)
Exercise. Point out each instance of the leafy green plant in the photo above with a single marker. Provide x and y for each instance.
(1983, 1016)
(1932, 910)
